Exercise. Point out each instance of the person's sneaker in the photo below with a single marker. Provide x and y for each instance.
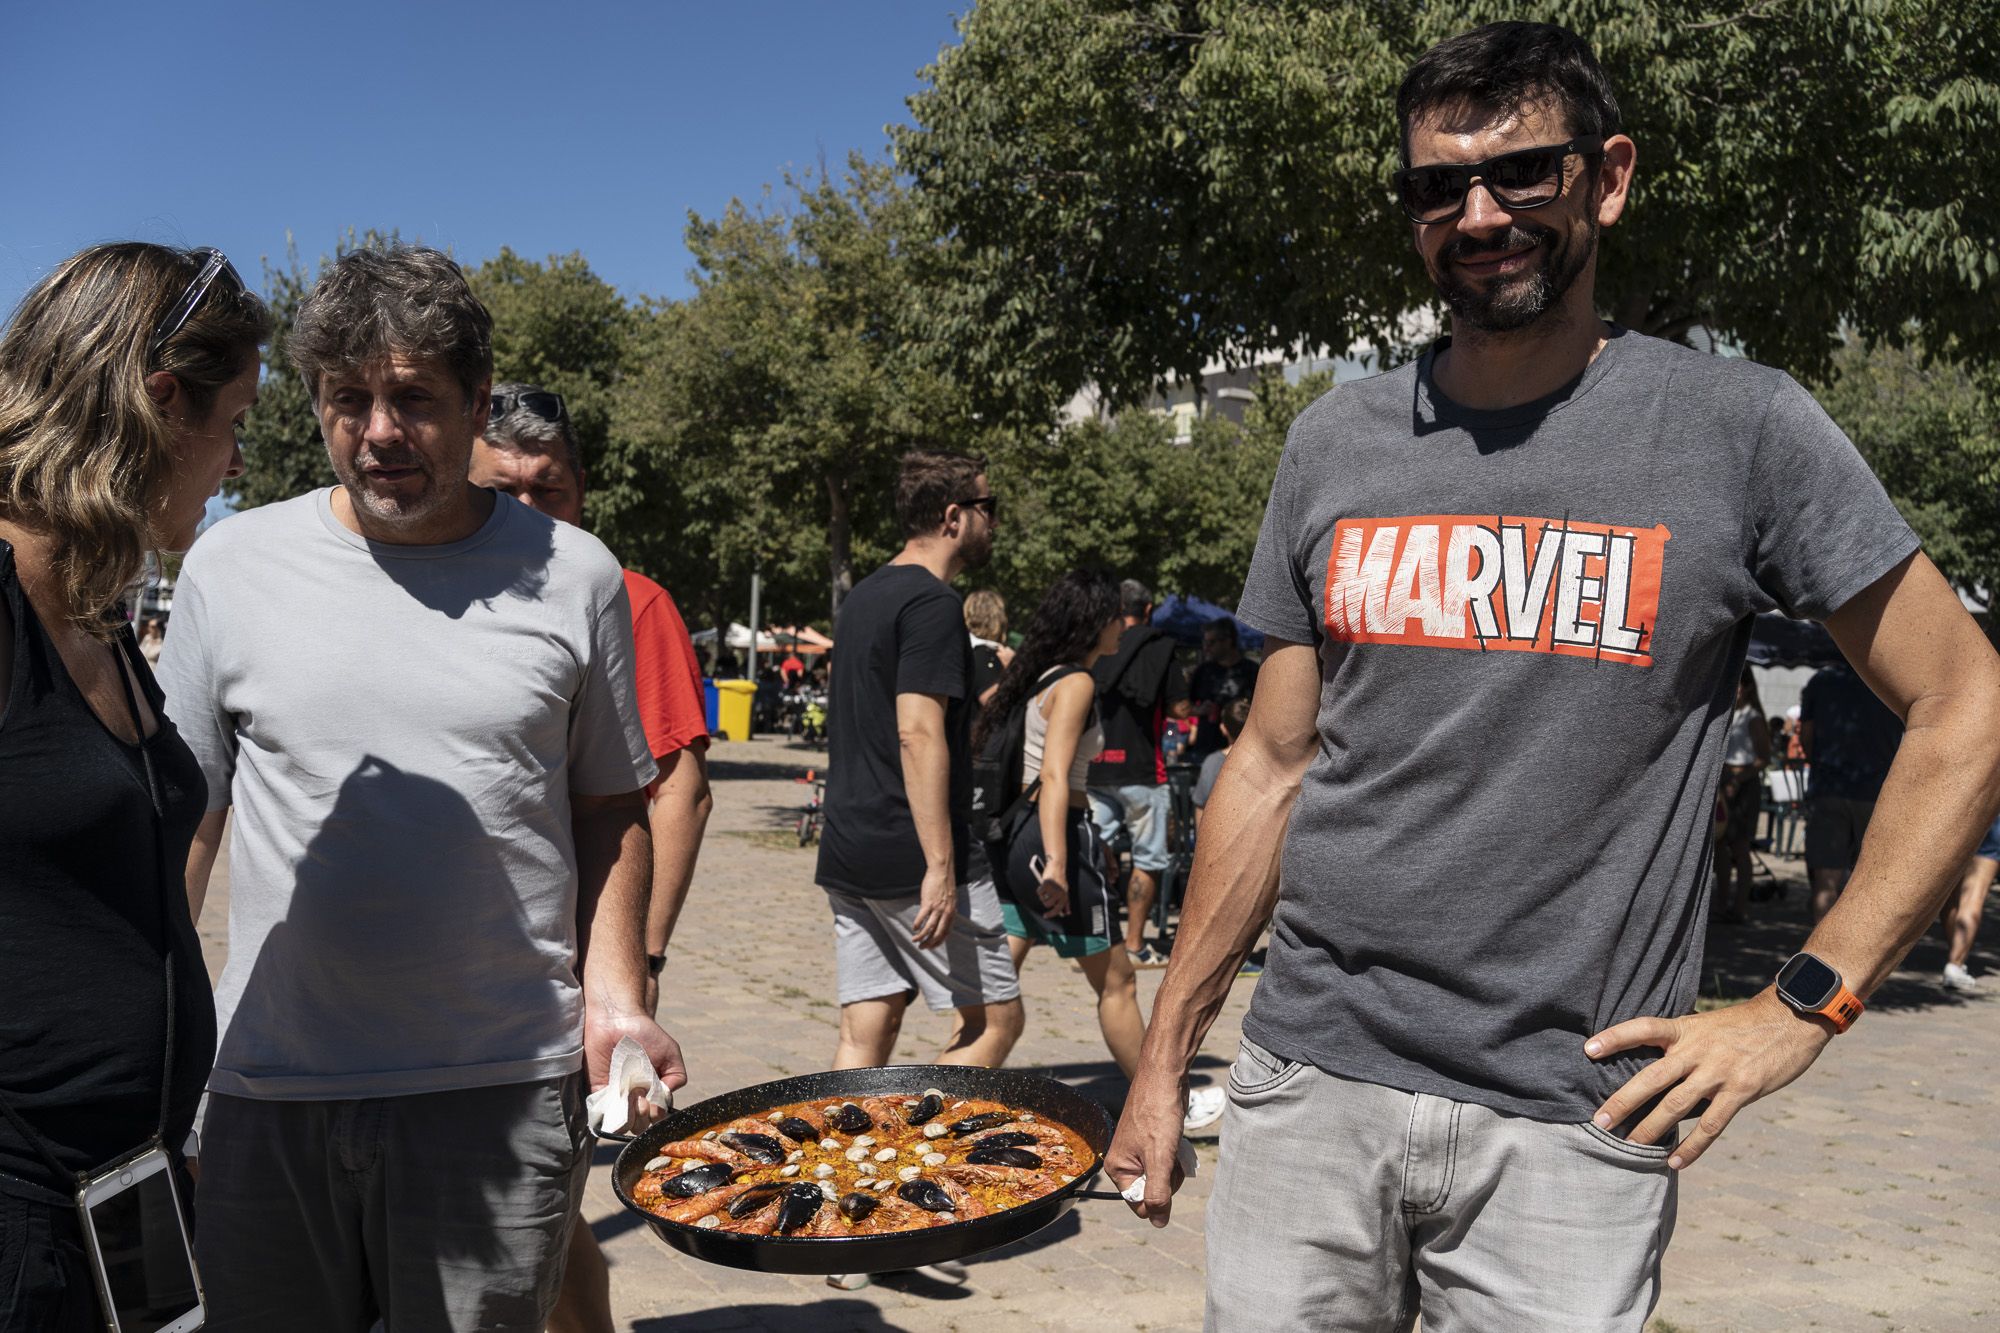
(946, 1270)
(848, 1281)
(1204, 1109)
(1147, 956)
(1251, 966)
(1957, 978)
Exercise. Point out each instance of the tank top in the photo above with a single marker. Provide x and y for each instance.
(83, 943)
(1741, 747)
(1088, 746)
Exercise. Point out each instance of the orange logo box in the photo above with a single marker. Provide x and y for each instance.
(1497, 583)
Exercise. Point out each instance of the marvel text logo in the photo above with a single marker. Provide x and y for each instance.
(1497, 582)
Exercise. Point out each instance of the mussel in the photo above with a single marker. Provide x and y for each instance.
(797, 1130)
(924, 1109)
(758, 1196)
(926, 1194)
(757, 1147)
(974, 1124)
(1015, 1140)
(1017, 1157)
(850, 1119)
(801, 1204)
(855, 1207)
(699, 1180)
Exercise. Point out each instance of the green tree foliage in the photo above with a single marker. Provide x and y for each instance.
(282, 452)
(774, 403)
(1133, 190)
(1128, 498)
(1931, 431)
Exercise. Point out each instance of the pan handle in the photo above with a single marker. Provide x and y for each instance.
(612, 1137)
(1100, 1194)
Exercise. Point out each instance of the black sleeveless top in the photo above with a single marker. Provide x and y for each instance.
(83, 946)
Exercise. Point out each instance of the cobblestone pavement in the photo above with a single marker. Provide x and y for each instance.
(1865, 1197)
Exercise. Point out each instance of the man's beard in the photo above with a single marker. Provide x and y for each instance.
(1508, 304)
(978, 550)
(394, 510)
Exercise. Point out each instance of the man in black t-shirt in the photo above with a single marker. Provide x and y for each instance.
(1138, 688)
(893, 855)
(1850, 738)
(1224, 676)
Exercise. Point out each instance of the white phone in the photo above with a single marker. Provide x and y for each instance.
(139, 1247)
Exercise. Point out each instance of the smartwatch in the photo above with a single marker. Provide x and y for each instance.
(1811, 986)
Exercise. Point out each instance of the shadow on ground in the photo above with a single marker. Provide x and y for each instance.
(1063, 1228)
(1741, 960)
(832, 1316)
(761, 770)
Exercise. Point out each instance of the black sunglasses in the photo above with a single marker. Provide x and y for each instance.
(214, 265)
(548, 406)
(990, 503)
(1525, 178)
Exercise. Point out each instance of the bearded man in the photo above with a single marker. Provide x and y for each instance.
(1507, 592)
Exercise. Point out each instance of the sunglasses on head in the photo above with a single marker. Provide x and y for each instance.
(214, 265)
(548, 406)
(1525, 178)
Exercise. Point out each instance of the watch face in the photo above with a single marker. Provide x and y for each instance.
(1807, 983)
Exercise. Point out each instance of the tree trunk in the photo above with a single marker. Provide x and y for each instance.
(840, 555)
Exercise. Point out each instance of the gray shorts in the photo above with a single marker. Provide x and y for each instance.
(1834, 829)
(877, 957)
(1351, 1206)
(439, 1211)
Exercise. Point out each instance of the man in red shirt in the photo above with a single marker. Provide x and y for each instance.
(529, 452)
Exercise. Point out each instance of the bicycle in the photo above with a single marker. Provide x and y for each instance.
(813, 815)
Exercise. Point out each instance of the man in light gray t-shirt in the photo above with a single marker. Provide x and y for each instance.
(417, 698)
(1507, 591)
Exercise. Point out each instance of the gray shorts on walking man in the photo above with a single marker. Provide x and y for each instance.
(440, 1212)
(877, 955)
(1342, 1205)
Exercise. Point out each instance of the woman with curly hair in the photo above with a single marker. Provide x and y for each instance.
(124, 376)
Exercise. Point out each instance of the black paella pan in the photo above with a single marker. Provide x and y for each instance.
(870, 1254)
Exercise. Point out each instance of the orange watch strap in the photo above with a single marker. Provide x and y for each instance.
(1842, 1009)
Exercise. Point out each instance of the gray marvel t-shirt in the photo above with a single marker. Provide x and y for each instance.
(399, 729)
(1530, 625)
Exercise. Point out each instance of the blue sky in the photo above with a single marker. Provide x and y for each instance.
(547, 128)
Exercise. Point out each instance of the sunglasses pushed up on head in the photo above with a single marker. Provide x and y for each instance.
(1523, 179)
(214, 265)
(539, 402)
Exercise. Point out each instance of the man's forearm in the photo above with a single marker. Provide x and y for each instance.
(927, 784)
(678, 818)
(614, 866)
(1939, 797)
(1230, 897)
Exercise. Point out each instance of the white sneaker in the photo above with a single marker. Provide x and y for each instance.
(1204, 1109)
(848, 1281)
(1957, 978)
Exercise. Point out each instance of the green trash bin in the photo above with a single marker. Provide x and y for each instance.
(733, 707)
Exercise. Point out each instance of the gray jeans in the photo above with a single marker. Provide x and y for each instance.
(1351, 1206)
(444, 1211)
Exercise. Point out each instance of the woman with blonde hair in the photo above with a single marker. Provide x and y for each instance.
(124, 376)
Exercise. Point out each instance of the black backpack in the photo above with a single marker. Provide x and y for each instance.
(997, 810)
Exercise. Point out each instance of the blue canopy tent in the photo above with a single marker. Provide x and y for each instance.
(1780, 641)
(1184, 618)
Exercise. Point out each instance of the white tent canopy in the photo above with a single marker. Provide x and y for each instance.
(738, 638)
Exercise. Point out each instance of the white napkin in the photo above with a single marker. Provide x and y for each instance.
(631, 1070)
(1184, 1154)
